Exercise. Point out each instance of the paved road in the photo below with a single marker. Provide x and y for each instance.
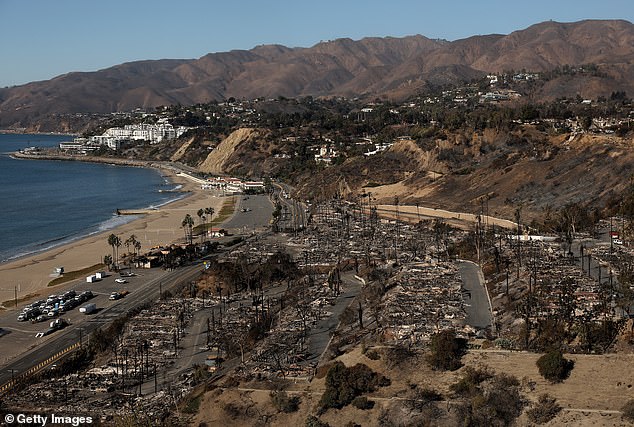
(320, 334)
(475, 296)
(293, 212)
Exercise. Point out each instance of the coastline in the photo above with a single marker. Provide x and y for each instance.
(32, 273)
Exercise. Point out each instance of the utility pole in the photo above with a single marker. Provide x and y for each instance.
(611, 239)
(396, 238)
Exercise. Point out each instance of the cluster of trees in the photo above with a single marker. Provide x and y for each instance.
(344, 385)
(205, 216)
(114, 241)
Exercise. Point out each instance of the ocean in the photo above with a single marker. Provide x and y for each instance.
(49, 203)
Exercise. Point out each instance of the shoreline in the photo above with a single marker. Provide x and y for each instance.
(31, 273)
(24, 132)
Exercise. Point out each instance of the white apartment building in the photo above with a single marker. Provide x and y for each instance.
(146, 132)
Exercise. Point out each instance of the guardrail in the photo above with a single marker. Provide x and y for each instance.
(6, 387)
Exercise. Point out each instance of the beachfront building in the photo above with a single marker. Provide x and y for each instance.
(77, 146)
(229, 185)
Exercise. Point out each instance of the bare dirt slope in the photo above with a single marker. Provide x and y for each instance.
(216, 160)
(181, 151)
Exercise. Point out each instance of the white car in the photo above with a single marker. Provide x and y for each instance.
(120, 280)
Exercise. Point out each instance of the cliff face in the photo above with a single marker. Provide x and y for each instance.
(218, 161)
(394, 67)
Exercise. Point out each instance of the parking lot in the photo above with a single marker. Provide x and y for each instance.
(21, 335)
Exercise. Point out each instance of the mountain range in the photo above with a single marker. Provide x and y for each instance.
(388, 67)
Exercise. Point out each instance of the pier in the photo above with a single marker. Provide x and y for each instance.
(136, 211)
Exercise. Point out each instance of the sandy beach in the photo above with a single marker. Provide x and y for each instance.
(32, 274)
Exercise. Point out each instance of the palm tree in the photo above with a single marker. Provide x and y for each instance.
(200, 214)
(130, 241)
(112, 242)
(201, 218)
(137, 248)
(115, 242)
(209, 214)
(187, 224)
(107, 260)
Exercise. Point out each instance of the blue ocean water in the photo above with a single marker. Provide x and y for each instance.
(45, 203)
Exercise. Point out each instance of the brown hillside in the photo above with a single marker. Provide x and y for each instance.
(524, 168)
(396, 67)
(216, 161)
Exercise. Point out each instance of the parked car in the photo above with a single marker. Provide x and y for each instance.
(40, 318)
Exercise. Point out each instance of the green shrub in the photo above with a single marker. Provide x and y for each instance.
(554, 367)
(446, 351)
(284, 403)
(495, 401)
(344, 384)
(232, 410)
(362, 402)
(544, 410)
(421, 398)
(471, 379)
(313, 421)
(372, 355)
(192, 405)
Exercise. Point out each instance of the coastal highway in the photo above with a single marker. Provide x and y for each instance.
(293, 215)
(141, 291)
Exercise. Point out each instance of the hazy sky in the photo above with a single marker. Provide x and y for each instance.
(41, 39)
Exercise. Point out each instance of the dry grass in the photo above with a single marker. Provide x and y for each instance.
(73, 275)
